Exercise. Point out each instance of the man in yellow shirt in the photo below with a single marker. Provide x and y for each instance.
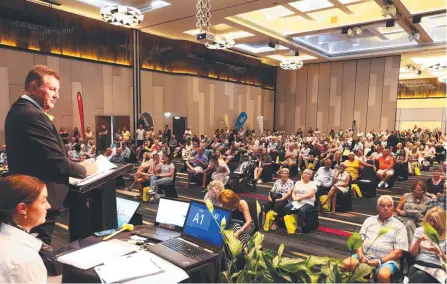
(125, 134)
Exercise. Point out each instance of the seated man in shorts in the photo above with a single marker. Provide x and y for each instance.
(386, 165)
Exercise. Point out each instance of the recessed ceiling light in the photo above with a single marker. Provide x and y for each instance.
(154, 5)
(310, 5)
(276, 12)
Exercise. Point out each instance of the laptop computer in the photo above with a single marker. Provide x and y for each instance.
(124, 210)
(200, 240)
(171, 215)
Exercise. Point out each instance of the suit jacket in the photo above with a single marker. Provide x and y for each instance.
(167, 134)
(35, 148)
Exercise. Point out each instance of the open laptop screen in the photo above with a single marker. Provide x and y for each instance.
(201, 227)
(125, 210)
(172, 212)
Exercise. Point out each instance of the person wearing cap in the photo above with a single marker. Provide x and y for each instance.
(341, 184)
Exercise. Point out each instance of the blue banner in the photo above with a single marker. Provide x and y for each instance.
(241, 119)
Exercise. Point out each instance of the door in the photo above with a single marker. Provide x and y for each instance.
(119, 122)
(179, 127)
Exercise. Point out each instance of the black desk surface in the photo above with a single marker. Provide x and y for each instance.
(205, 273)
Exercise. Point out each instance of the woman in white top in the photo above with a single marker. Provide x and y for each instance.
(213, 192)
(23, 206)
(341, 184)
(303, 198)
(221, 173)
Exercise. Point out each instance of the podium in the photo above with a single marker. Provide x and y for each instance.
(92, 206)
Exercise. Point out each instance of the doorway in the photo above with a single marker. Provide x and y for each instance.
(179, 127)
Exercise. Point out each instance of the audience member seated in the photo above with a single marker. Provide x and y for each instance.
(386, 168)
(118, 157)
(214, 189)
(324, 177)
(165, 175)
(303, 198)
(353, 166)
(413, 160)
(265, 160)
(3, 156)
(438, 200)
(82, 143)
(428, 267)
(241, 221)
(91, 149)
(198, 161)
(440, 153)
(402, 165)
(125, 134)
(279, 196)
(412, 207)
(304, 155)
(376, 154)
(435, 184)
(76, 153)
(142, 178)
(221, 171)
(382, 253)
(173, 144)
(23, 206)
(108, 153)
(341, 184)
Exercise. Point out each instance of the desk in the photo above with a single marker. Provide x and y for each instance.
(205, 273)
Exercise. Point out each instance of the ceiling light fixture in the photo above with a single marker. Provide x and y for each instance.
(438, 66)
(353, 31)
(414, 35)
(121, 15)
(291, 64)
(413, 70)
(220, 43)
(294, 52)
(389, 9)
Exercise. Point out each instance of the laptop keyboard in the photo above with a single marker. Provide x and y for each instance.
(162, 232)
(187, 249)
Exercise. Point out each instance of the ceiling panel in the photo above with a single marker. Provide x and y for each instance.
(420, 6)
(311, 5)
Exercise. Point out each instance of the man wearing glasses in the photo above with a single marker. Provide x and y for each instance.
(381, 252)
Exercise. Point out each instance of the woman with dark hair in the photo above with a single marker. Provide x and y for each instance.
(402, 165)
(435, 184)
(23, 206)
(412, 206)
(64, 135)
(76, 134)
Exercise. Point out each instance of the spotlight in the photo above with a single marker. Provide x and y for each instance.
(350, 32)
(271, 44)
(417, 19)
(414, 36)
(294, 52)
(358, 31)
(277, 46)
(389, 10)
(389, 23)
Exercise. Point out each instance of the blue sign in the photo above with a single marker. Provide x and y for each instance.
(241, 119)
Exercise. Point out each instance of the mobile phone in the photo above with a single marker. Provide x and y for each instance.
(104, 233)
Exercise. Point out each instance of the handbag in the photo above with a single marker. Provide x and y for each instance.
(417, 170)
(357, 189)
(269, 217)
(326, 207)
(291, 222)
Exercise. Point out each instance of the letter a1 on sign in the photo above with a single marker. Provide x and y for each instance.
(241, 119)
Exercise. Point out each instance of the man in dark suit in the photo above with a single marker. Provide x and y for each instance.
(167, 134)
(34, 145)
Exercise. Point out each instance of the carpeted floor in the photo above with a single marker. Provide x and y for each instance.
(328, 240)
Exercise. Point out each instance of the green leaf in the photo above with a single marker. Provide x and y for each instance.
(258, 207)
(286, 277)
(224, 277)
(292, 265)
(354, 242)
(312, 261)
(255, 241)
(234, 245)
(223, 223)
(334, 275)
(431, 233)
(385, 230)
(209, 205)
(360, 271)
(280, 250)
(271, 269)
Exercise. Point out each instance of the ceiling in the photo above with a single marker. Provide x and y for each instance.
(314, 27)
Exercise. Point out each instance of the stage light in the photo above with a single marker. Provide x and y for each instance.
(389, 10)
(389, 23)
(271, 44)
(358, 31)
(350, 32)
(294, 52)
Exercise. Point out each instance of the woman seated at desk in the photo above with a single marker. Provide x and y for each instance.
(23, 206)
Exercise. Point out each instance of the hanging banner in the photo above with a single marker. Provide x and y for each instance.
(226, 121)
(81, 113)
(241, 119)
(260, 122)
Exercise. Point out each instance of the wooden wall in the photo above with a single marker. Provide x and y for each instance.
(332, 95)
(105, 89)
(203, 101)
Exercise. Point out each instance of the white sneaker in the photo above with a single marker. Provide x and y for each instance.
(259, 181)
(380, 184)
(386, 185)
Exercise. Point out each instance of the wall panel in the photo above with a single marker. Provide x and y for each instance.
(335, 95)
(301, 98)
(375, 94)
(324, 86)
(361, 93)
(312, 95)
(347, 97)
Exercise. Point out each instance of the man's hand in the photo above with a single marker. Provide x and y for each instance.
(373, 262)
(90, 166)
(237, 233)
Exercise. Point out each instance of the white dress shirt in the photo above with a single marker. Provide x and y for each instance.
(19, 260)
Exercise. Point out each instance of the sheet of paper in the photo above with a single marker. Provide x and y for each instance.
(128, 267)
(97, 254)
(103, 168)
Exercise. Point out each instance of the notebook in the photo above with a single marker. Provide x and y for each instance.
(171, 216)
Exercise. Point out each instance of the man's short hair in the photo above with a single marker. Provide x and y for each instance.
(37, 74)
(385, 197)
